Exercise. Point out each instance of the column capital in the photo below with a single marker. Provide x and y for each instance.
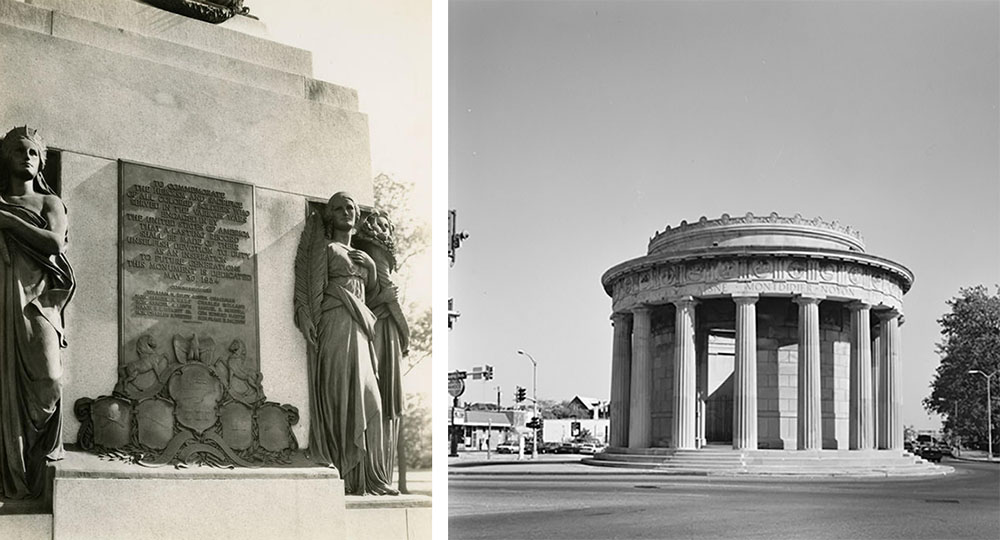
(887, 314)
(641, 309)
(684, 301)
(808, 298)
(745, 298)
(858, 305)
(620, 317)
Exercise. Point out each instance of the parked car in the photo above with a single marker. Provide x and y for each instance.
(549, 448)
(591, 448)
(507, 448)
(568, 448)
(931, 452)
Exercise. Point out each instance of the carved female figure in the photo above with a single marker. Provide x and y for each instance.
(331, 278)
(392, 334)
(36, 283)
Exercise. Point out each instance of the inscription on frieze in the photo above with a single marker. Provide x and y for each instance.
(187, 264)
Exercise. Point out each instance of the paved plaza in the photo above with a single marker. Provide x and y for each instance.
(555, 498)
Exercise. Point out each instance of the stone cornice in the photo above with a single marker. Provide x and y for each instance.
(903, 274)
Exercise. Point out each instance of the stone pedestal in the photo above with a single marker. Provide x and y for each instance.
(113, 500)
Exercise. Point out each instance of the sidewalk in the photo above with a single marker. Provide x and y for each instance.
(977, 455)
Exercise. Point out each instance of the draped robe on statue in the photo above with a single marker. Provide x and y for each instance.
(345, 405)
(389, 352)
(34, 290)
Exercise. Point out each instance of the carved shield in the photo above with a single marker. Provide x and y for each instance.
(112, 422)
(237, 426)
(155, 420)
(196, 391)
(274, 430)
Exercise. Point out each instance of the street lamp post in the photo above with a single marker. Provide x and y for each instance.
(989, 411)
(534, 394)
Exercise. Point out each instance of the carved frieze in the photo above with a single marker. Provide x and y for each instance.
(760, 275)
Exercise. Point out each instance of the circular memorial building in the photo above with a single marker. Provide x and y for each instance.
(774, 335)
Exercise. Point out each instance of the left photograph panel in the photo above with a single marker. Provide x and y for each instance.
(215, 278)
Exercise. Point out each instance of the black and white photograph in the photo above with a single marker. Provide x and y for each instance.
(723, 270)
(215, 311)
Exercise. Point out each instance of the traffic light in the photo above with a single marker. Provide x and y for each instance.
(535, 423)
(520, 396)
(488, 374)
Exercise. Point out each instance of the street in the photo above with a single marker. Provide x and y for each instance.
(572, 504)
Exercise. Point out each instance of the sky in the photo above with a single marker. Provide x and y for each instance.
(383, 50)
(578, 129)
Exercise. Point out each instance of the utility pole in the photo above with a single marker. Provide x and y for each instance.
(534, 393)
(989, 408)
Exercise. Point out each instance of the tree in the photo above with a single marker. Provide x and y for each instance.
(971, 342)
(411, 237)
(416, 433)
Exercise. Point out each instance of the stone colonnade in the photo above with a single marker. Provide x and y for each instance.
(874, 412)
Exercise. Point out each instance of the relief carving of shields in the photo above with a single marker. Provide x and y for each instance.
(155, 421)
(273, 427)
(112, 422)
(197, 392)
(237, 425)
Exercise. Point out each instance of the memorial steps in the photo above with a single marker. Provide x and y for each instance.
(724, 461)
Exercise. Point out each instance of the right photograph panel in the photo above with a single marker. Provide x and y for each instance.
(723, 269)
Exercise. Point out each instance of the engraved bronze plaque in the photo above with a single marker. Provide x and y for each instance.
(197, 392)
(112, 422)
(155, 422)
(187, 264)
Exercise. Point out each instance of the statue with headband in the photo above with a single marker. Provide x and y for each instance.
(36, 283)
(332, 280)
(376, 236)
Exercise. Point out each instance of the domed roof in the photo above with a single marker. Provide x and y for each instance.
(748, 231)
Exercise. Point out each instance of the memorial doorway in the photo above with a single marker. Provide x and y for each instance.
(717, 386)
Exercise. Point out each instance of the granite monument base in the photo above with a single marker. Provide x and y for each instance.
(107, 499)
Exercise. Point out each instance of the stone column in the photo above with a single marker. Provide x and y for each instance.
(682, 429)
(640, 418)
(876, 393)
(621, 368)
(862, 434)
(745, 374)
(891, 430)
(810, 434)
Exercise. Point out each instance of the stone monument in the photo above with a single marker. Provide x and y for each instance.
(190, 155)
(787, 329)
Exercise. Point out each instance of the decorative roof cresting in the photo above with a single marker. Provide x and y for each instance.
(772, 218)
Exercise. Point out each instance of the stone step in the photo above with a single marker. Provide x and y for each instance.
(26, 526)
(175, 54)
(769, 462)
